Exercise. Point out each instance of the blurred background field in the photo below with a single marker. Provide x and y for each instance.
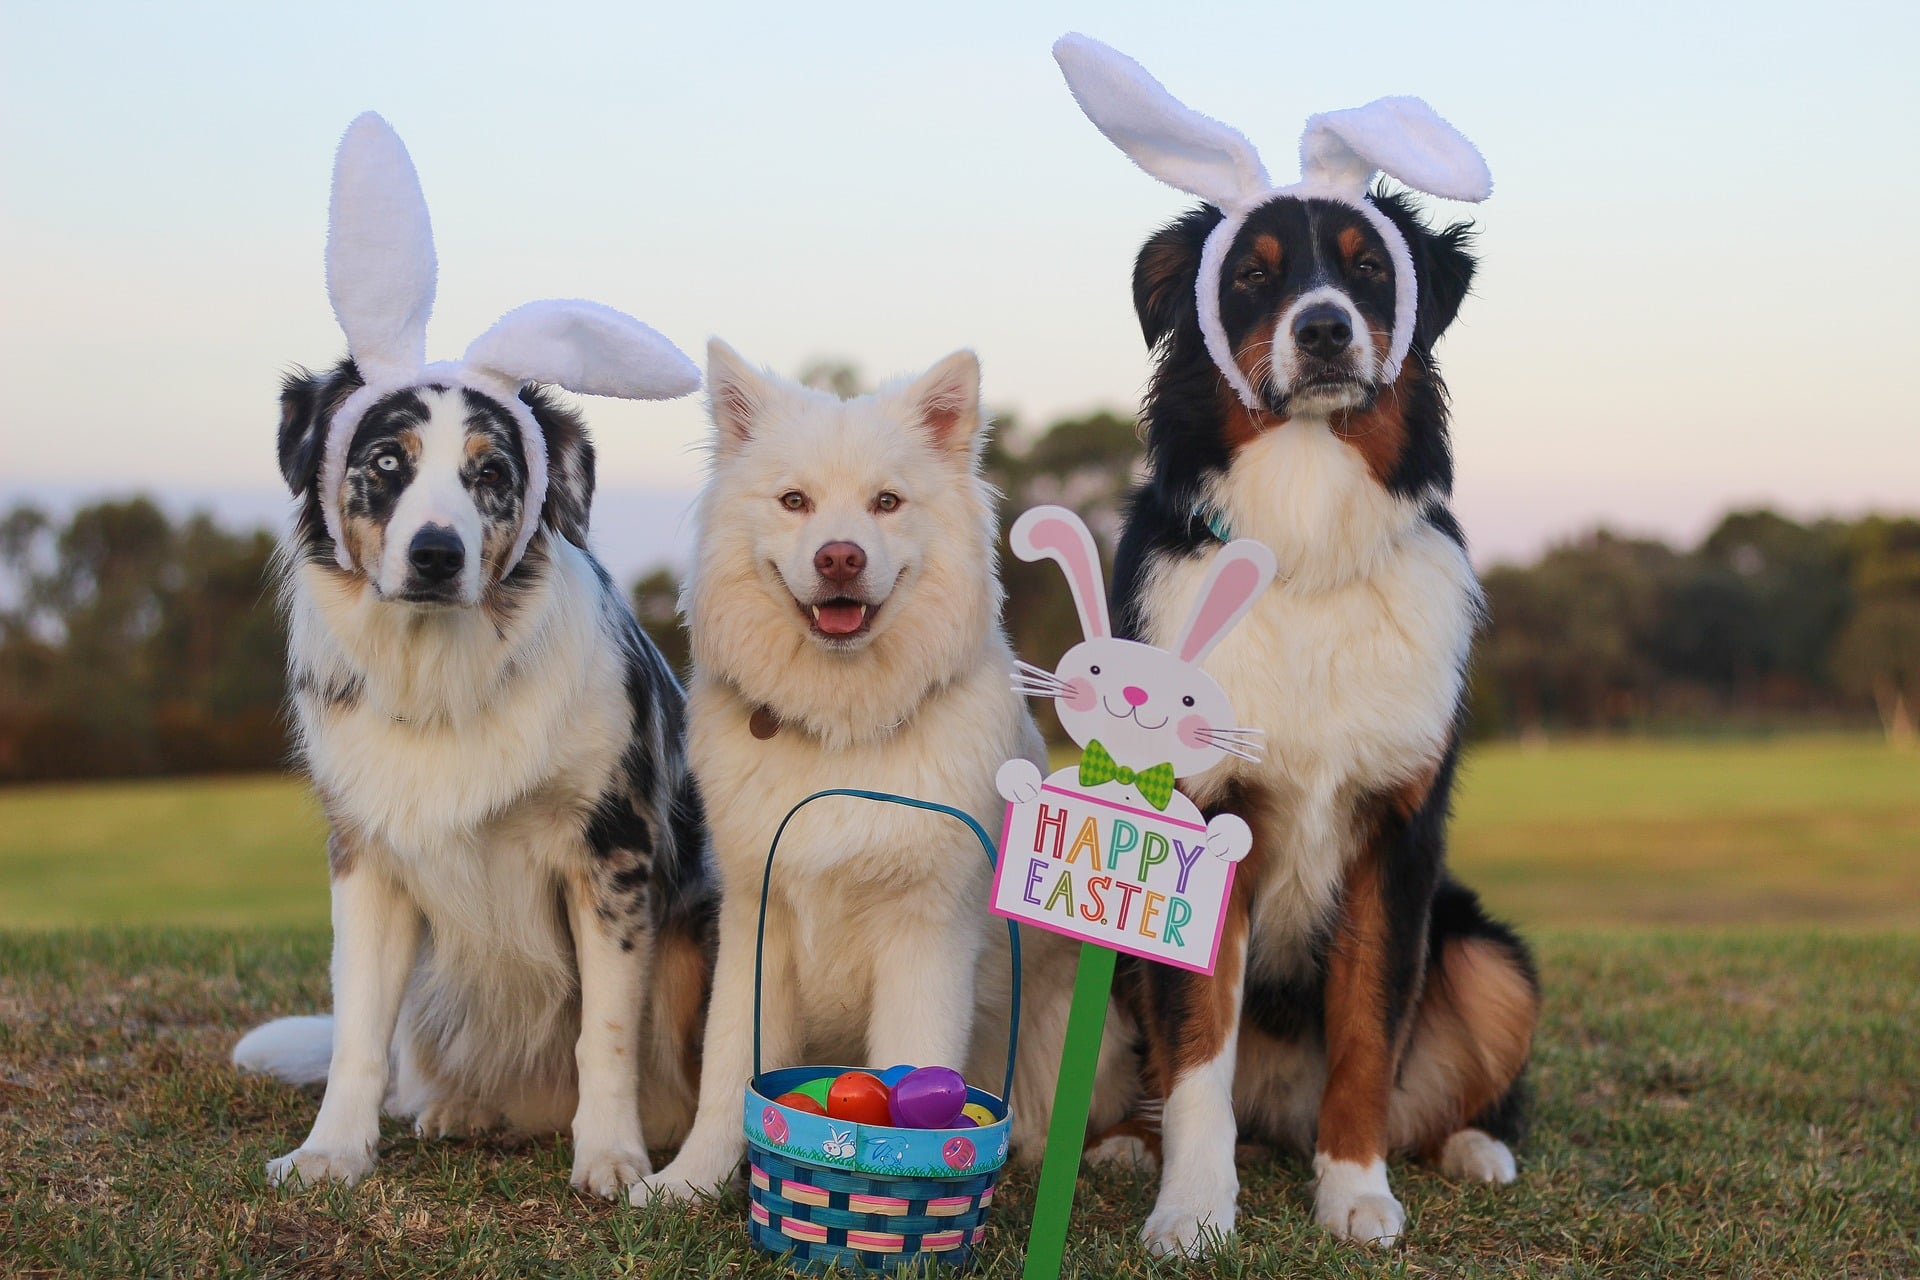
(1581, 833)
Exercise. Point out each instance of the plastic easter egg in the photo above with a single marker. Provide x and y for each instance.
(958, 1153)
(928, 1098)
(961, 1121)
(860, 1097)
(977, 1113)
(891, 1076)
(775, 1124)
(817, 1090)
(801, 1102)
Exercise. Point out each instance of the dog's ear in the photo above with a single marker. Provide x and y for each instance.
(945, 400)
(570, 466)
(1164, 273)
(1442, 261)
(307, 404)
(736, 394)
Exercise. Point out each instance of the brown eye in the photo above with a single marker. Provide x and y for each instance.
(794, 500)
(1253, 276)
(490, 475)
(1369, 266)
(887, 501)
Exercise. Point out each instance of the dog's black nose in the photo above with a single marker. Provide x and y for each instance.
(436, 553)
(1322, 331)
(840, 561)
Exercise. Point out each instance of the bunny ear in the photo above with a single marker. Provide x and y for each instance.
(1240, 572)
(584, 347)
(1158, 132)
(380, 261)
(1403, 138)
(1056, 533)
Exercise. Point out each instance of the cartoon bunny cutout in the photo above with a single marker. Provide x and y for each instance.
(1142, 717)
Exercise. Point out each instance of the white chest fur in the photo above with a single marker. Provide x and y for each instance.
(466, 734)
(1351, 663)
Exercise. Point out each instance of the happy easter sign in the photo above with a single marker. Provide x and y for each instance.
(1122, 877)
(1109, 851)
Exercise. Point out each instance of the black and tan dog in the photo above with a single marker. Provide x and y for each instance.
(1363, 1003)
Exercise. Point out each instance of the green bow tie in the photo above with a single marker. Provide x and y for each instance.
(1155, 785)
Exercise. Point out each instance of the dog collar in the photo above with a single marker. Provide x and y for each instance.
(1340, 153)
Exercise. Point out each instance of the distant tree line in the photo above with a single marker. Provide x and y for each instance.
(132, 644)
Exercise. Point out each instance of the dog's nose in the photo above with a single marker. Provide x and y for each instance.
(840, 561)
(1322, 331)
(1134, 695)
(436, 553)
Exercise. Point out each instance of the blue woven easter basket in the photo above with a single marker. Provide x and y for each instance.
(825, 1192)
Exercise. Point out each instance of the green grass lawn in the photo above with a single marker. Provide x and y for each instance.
(1738, 1100)
(1708, 1105)
(1582, 834)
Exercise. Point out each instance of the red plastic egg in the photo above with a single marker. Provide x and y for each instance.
(860, 1097)
(801, 1102)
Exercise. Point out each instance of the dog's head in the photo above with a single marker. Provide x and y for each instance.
(844, 508)
(1307, 296)
(435, 483)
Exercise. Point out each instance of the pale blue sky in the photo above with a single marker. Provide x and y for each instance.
(1699, 283)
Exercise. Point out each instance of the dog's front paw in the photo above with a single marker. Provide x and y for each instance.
(688, 1177)
(1174, 1230)
(1354, 1202)
(311, 1166)
(610, 1171)
(1473, 1155)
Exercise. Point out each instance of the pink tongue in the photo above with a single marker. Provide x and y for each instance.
(840, 619)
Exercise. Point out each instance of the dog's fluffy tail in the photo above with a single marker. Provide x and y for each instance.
(296, 1050)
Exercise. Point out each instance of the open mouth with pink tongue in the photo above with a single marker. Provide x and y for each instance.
(840, 618)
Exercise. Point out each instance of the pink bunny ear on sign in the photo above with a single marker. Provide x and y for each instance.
(1170, 140)
(1241, 571)
(380, 260)
(1403, 138)
(1055, 533)
(584, 347)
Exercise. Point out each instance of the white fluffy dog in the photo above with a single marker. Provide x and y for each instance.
(844, 612)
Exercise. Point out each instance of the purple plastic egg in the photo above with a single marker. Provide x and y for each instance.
(927, 1098)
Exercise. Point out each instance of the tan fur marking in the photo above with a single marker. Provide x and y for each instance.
(1212, 1011)
(1474, 1030)
(1351, 242)
(1353, 1110)
(1379, 433)
(342, 854)
(1267, 249)
(680, 981)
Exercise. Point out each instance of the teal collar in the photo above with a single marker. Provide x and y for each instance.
(1213, 520)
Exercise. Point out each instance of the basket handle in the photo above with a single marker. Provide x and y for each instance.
(884, 797)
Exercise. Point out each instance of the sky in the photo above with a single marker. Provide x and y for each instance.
(1699, 263)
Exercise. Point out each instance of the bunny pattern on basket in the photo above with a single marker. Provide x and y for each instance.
(1143, 717)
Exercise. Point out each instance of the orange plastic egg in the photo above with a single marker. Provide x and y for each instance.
(858, 1096)
(801, 1102)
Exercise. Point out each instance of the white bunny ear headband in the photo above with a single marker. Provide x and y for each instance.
(1340, 152)
(380, 277)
